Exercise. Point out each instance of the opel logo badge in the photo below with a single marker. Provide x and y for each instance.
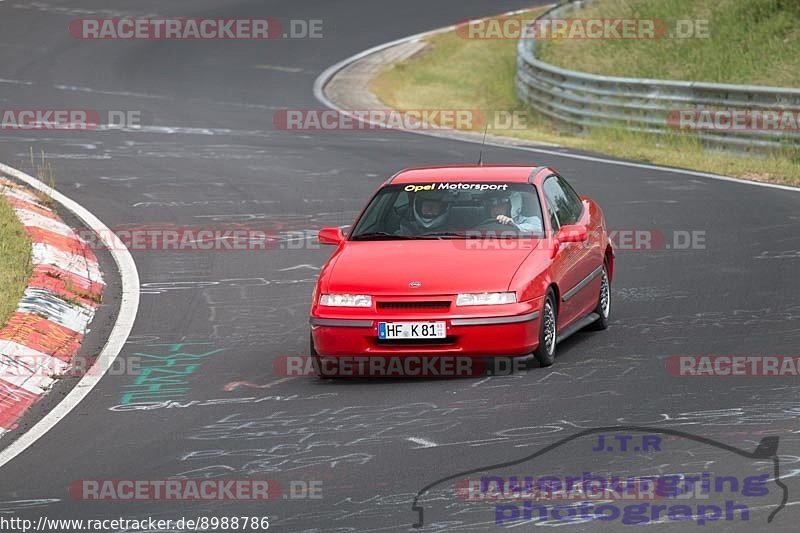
(415, 284)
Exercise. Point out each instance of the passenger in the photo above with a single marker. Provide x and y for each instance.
(506, 208)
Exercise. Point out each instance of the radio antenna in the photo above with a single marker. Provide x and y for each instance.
(483, 143)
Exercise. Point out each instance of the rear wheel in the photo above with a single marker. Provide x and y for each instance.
(545, 353)
(603, 308)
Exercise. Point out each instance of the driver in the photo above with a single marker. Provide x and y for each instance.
(507, 209)
(431, 210)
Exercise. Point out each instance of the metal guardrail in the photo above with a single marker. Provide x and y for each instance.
(581, 100)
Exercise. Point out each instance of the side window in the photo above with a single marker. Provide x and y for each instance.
(573, 198)
(561, 197)
(551, 212)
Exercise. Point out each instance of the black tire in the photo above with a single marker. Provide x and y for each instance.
(315, 357)
(603, 308)
(311, 349)
(545, 353)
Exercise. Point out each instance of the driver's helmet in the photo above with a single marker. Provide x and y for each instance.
(431, 208)
(496, 200)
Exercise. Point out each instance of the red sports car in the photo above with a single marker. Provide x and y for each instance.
(473, 261)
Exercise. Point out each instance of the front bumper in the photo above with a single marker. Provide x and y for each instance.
(473, 336)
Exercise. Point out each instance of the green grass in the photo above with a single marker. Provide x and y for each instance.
(749, 42)
(15, 260)
(457, 73)
(453, 73)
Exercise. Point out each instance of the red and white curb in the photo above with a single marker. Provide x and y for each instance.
(40, 339)
(126, 316)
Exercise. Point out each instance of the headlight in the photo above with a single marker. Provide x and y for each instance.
(346, 300)
(487, 298)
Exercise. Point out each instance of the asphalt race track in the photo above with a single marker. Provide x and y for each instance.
(209, 154)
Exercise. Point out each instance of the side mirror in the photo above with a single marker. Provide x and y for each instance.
(572, 233)
(331, 236)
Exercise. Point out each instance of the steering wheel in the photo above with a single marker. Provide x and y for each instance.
(492, 223)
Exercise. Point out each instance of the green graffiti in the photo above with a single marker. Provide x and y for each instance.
(162, 375)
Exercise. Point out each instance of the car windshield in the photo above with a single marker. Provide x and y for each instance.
(454, 210)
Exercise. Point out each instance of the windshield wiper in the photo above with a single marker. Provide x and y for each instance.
(378, 235)
(443, 234)
(382, 235)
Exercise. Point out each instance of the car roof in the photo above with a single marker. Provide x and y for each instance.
(467, 173)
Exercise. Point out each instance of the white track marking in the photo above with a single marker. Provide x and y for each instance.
(323, 79)
(481, 382)
(422, 442)
(119, 334)
(232, 386)
(298, 267)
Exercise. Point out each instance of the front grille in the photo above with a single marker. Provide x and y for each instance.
(438, 305)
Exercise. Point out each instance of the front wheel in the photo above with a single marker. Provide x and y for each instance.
(603, 308)
(545, 353)
(315, 358)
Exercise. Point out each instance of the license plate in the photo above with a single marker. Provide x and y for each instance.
(411, 330)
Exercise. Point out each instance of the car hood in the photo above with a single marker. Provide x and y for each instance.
(439, 266)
